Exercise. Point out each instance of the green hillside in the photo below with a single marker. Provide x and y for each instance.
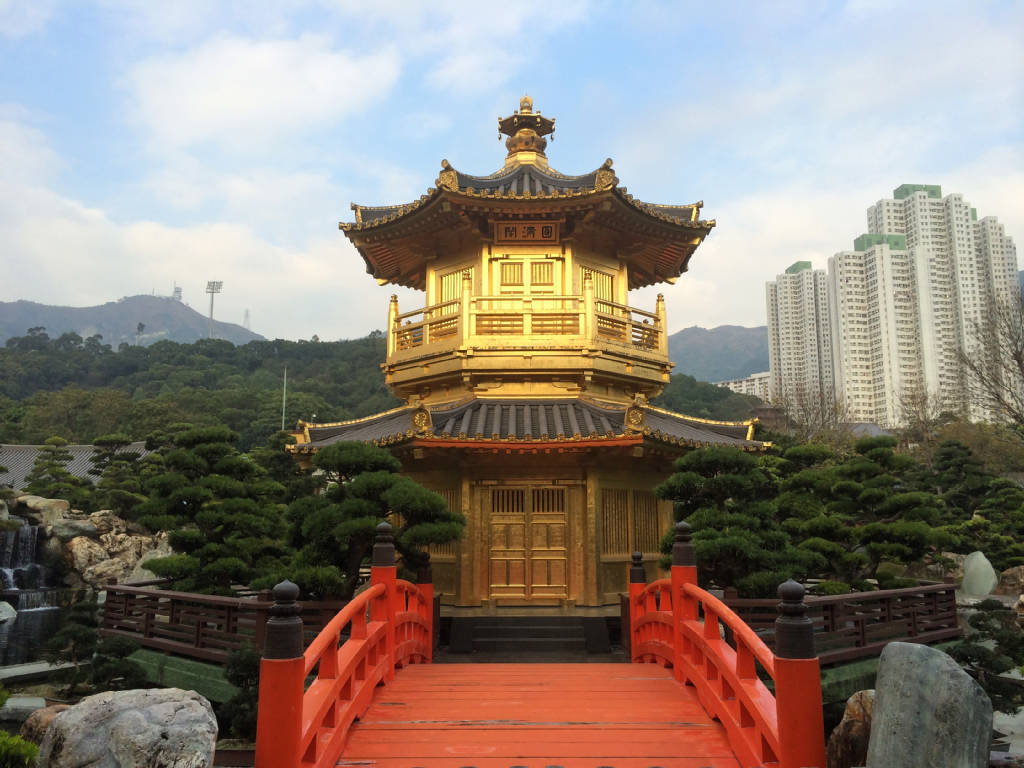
(162, 318)
(717, 354)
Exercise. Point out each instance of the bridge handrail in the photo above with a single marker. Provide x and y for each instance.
(783, 729)
(390, 625)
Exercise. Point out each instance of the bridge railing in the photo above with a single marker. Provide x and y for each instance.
(383, 628)
(675, 623)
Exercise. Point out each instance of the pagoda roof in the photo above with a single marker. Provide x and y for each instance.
(554, 420)
(656, 240)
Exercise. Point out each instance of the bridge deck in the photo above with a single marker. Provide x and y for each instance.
(537, 715)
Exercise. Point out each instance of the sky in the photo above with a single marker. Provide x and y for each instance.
(150, 144)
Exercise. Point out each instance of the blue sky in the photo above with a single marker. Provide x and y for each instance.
(148, 143)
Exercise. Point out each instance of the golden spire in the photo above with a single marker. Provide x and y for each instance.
(526, 130)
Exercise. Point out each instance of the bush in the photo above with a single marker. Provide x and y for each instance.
(15, 752)
(831, 588)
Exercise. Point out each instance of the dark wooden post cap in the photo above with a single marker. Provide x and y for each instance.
(794, 629)
(424, 574)
(682, 545)
(637, 574)
(284, 627)
(384, 546)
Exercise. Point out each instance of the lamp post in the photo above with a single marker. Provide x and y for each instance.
(213, 287)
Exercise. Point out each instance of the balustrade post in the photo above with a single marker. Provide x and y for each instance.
(383, 571)
(589, 310)
(637, 582)
(392, 324)
(465, 316)
(660, 324)
(684, 571)
(425, 581)
(282, 671)
(797, 683)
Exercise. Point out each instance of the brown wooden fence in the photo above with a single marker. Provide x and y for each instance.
(859, 624)
(207, 627)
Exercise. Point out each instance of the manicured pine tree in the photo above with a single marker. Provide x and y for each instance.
(119, 487)
(334, 531)
(50, 478)
(224, 514)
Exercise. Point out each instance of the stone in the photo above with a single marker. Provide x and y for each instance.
(1011, 582)
(161, 727)
(40, 511)
(107, 522)
(112, 570)
(17, 709)
(34, 728)
(7, 612)
(66, 530)
(928, 712)
(980, 578)
(127, 547)
(848, 744)
(81, 552)
(5, 513)
(139, 573)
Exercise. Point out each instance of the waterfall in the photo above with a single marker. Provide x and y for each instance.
(23, 584)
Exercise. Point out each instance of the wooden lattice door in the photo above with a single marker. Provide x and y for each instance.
(528, 549)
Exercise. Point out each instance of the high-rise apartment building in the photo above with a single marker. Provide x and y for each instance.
(800, 349)
(913, 295)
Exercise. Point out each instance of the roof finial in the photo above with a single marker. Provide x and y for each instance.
(526, 130)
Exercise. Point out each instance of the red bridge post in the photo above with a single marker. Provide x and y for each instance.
(279, 713)
(637, 582)
(797, 683)
(425, 582)
(684, 571)
(383, 571)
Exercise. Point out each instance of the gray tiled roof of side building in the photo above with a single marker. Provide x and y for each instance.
(19, 460)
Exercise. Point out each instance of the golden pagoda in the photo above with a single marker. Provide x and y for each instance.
(527, 375)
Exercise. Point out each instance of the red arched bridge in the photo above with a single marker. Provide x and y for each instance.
(364, 693)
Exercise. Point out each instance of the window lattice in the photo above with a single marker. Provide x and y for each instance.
(454, 498)
(603, 284)
(645, 522)
(512, 273)
(542, 273)
(614, 521)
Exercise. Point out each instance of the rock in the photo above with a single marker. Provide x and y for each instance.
(81, 552)
(34, 728)
(980, 577)
(133, 729)
(1011, 582)
(101, 574)
(7, 612)
(127, 547)
(40, 511)
(5, 513)
(928, 712)
(107, 522)
(66, 530)
(848, 744)
(139, 573)
(17, 709)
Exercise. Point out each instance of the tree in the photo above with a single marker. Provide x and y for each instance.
(119, 487)
(334, 531)
(992, 651)
(223, 513)
(50, 478)
(728, 498)
(995, 362)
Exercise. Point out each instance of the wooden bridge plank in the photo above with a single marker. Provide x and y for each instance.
(452, 716)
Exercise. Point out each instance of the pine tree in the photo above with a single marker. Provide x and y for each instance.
(334, 531)
(224, 514)
(119, 487)
(50, 478)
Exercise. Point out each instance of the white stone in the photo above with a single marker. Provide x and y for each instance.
(7, 612)
(17, 708)
(133, 729)
(980, 578)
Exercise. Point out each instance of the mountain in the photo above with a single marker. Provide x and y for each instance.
(118, 321)
(716, 354)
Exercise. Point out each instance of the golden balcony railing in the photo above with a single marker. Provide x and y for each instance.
(525, 320)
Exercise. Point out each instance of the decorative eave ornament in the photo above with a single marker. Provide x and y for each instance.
(526, 129)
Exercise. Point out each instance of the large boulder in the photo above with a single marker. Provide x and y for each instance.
(40, 511)
(7, 612)
(980, 578)
(139, 573)
(81, 552)
(928, 712)
(158, 728)
(1011, 582)
(35, 727)
(68, 529)
(107, 522)
(109, 571)
(848, 744)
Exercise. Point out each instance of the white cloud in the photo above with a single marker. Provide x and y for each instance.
(238, 92)
(20, 18)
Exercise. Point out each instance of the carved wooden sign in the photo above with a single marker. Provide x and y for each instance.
(526, 231)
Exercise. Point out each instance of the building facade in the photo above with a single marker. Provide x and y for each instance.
(527, 374)
(756, 384)
(912, 296)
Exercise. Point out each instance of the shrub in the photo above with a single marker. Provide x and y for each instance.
(15, 752)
